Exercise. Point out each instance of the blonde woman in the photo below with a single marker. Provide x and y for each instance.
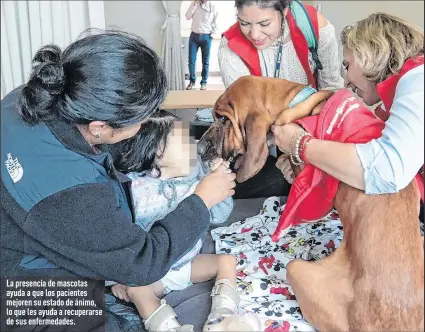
(383, 58)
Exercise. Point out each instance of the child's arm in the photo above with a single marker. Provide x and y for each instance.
(221, 211)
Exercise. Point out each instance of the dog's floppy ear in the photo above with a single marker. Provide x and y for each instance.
(256, 128)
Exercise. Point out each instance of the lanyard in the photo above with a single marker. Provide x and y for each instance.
(278, 62)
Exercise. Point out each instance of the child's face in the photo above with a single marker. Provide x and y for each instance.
(179, 157)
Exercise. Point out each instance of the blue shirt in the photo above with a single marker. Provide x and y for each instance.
(391, 162)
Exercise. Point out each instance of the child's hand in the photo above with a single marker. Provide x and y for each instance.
(120, 291)
(217, 186)
(215, 163)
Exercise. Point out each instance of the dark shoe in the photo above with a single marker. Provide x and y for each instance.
(203, 86)
(190, 86)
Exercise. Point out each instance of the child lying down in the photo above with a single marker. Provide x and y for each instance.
(164, 167)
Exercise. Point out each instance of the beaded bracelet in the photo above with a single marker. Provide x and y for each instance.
(303, 147)
(294, 148)
(300, 145)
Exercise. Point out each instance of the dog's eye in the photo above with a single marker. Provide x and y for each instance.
(221, 118)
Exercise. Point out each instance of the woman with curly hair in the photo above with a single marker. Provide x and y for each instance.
(384, 62)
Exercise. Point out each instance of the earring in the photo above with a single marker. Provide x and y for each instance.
(97, 135)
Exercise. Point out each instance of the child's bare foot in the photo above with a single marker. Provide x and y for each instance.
(120, 291)
(247, 321)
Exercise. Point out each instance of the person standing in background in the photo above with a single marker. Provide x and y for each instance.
(204, 17)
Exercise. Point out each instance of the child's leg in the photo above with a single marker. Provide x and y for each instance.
(225, 300)
(208, 266)
(145, 298)
(157, 315)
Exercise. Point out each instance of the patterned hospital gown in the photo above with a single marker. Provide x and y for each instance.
(154, 198)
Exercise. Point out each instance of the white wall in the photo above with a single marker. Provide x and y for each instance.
(143, 18)
(342, 13)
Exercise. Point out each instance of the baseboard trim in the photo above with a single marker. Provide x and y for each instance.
(211, 73)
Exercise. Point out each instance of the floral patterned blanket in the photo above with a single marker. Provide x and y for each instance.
(262, 263)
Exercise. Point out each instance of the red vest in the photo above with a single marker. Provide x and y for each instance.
(238, 43)
(386, 91)
(344, 118)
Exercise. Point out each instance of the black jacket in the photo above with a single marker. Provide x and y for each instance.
(66, 211)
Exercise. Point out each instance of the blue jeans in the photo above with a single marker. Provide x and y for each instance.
(197, 41)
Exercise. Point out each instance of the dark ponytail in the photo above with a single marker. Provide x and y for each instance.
(39, 97)
(109, 76)
(138, 154)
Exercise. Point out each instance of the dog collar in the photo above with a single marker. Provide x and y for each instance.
(302, 95)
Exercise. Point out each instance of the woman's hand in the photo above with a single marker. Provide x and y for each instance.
(284, 164)
(217, 186)
(283, 135)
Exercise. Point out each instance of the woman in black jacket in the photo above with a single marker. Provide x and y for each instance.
(66, 209)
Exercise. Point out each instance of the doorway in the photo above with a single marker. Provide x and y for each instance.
(226, 18)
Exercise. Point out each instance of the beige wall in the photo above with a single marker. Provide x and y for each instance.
(143, 18)
(146, 17)
(342, 13)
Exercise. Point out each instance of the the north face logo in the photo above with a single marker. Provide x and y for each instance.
(14, 168)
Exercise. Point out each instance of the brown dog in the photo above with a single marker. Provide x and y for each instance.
(375, 280)
(243, 116)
